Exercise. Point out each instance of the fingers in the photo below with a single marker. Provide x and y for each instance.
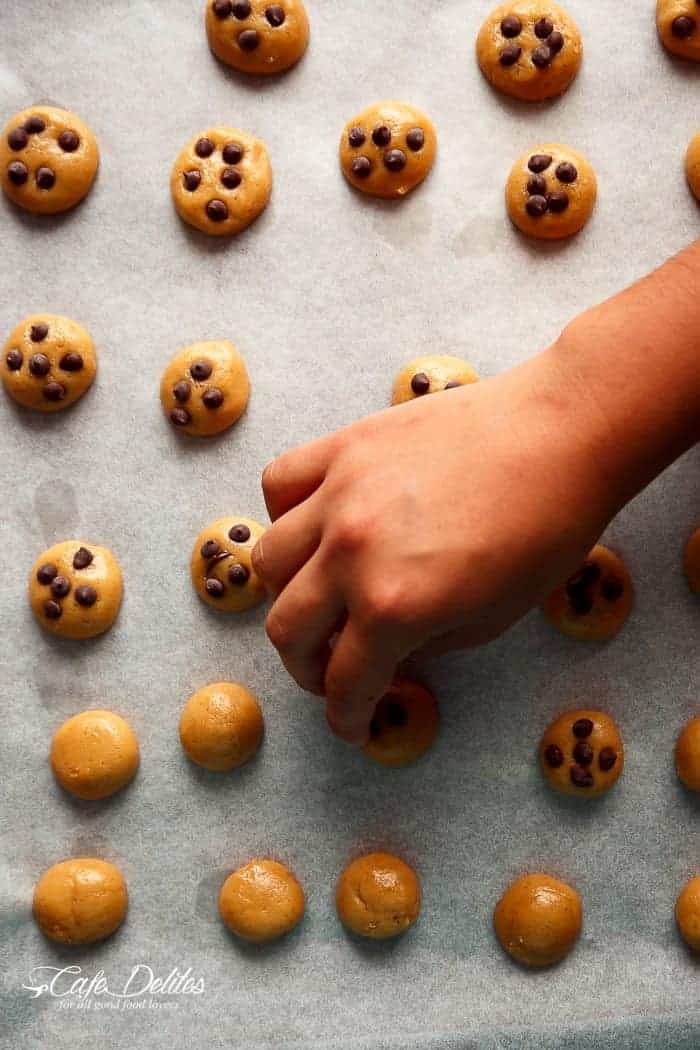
(286, 547)
(293, 476)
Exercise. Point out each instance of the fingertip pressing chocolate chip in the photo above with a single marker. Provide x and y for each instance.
(82, 558)
(395, 160)
(180, 417)
(356, 137)
(553, 756)
(213, 398)
(361, 167)
(216, 210)
(68, 141)
(86, 595)
(14, 360)
(39, 364)
(238, 575)
(204, 147)
(71, 362)
(509, 54)
(511, 26)
(192, 180)
(38, 332)
(420, 384)
(582, 728)
(381, 136)
(17, 173)
(239, 533)
(248, 40)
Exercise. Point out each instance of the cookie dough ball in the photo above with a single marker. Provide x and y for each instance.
(80, 901)
(404, 724)
(538, 919)
(94, 754)
(205, 388)
(255, 36)
(261, 901)
(582, 754)
(221, 181)
(530, 49)
(378, 896)
(48, 159)
(595, 602)
(551, 192)
(221, 726)
(75, 589)
(222, 571)
(692, 164)
(688, 914)
(691, 562)
(678, 23)
(429, 375)
(387, 149)
(688, 755)
(48, 362)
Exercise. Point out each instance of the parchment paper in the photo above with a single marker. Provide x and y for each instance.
(327, 296)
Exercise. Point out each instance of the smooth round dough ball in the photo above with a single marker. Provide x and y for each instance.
(387, 149)
(75, 589)
(688, 755)
(204, 389)
(48, 362)
(94, 754)
(404, 724)
(538, 919)
(530, 49)
(594, 603)
(688, 914)
(261, 901)
(221, 726)
(48, 159)
(221, 566)
(81, 900)
(551, 192)
(429, 375)
(691, 562)
(378, 896)
(221, 181)
(255, 36)
(678, 23)
(581, 753)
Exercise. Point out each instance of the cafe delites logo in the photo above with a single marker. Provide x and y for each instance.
(142, 988)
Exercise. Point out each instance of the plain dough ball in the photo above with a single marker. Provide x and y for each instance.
(48, 159)
(688, 914)
(75, 589)
(404, 724)
(221, 726)
(594, 603)
(688, 755)
(429, 375)
(581, 753)
(378, 896)
(551, 192)
(221, 566)
(221, 181)
(692, 162)
(261, 901)
(205, 387)
(387, 149)
(79, 901)
(678, 23)
(48, 362)
(691, 562)
(530, 49)
(538, 919)
(94, 754)
(255, 36)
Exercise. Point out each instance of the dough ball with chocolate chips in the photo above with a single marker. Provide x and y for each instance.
(551, 192)
(404, 724)
(378, 896)
(429, 375)
(261, 901)
(221, 181)
(387, 149)
(80, 901)
(75, 589)
(688, 755)
(94, 754)
(678, 23)
(688, 914)
(204, 388)
(48, 159)
(221, 567)
(48, 362)
(538, 919)
(581, 753)
(594, 603)
(530, 49)
(255, 36)
(221, 726)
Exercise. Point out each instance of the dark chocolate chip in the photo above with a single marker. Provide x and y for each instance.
(539, 162)
(582, 728)
(242, 9)
(612, 589)
(553, 756)
(17, 139)
(45, 178)
(239, 533)
(17, 173)
(395, 713)
(415, 139)
(238, 575)
(541, 56)
(452, 385)
(583, 579)
(222, 8)
(71, 362)
(209, 549)
(68, 141)
(275, 15)
(14, 360)
(566, 172)
(232, 153)
(34, 125)
(54, 391)
(555, 42)
(213, 398)
(511, 26)
(231, 178)
(683, 27)
(39, 364)
(182, 391)
(38, 332)
(86, 595)
(510, 54)
(581, 604)
(607, 758)
(537, 185)
(180, 417)
(583, 753)
(82, 558)
(248, 40)
(204, 147)
(536, 206)
(420, 384)
(192, 179)
(201, 369)
(381, 136)
(60, 586)
(580, 777)
(361, 167)
(46, 573)
(557, 201)
(217, 210)
(395, 159)
(356, 137)
(543, 27)
(52, 610)
(214, 587)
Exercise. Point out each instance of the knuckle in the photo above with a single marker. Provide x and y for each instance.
(384, 603)
(351, 531)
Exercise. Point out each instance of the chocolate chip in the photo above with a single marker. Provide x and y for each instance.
(511, 26)
(231, 178)
(275, 15)
(583, 753)
(452, 385)
(39, 364)
(86, 595)
(192, 179)
(381, 136)
(580, 777)
(222, 8)
(214, 587)
(607, 758)
(54, 391)
(82, 558)
(555, 42)
(217, 210)
(356, 137)
(395, 159)
(539, 162)
(583, 579)
(374, 727)
(213, 398)
(60, 586)
(52, 610)
(612, 589)
(209, 549)
(232, 153)
(683, 27)
(566, 172)
(420, 384)
(34, 125)
(536, 206)
(553, 756)
(509, 54)
(204, 147)
(415, 139)
(14, 360)
(68, 141)
(239, 533)
(361, 167)
(581, 604)
(182, 391)
(543, 27)
(582, 728)
(71, 362)
(46, 573)
(17, 173)
(45, 178)
(17, 139)
(238, 575)
(537, 185)
(557, 201)
(201, 370)
(591, 571)
(396, 713)
(541, 56)
(180, 417)
(241, 9)
(38, 332)
(248, 40)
